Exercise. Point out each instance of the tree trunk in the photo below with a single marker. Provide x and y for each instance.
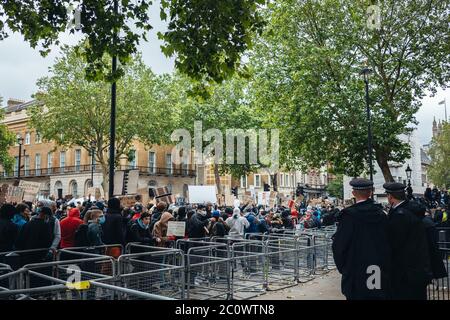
(383, 164)
(217, 178)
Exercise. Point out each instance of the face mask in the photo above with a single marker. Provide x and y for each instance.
(102, 220)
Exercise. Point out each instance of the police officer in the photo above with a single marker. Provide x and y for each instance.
(361, 247)
(411, 270)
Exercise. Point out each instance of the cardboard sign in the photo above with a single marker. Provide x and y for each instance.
(263, 198)
(229, 200)
(10, 194)
(169, 199)
(202, 194)
(94, 192)
(30, 186)
(127, 201)
(132, 183)
(176, 228)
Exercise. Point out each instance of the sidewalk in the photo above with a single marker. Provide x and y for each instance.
(323, 287)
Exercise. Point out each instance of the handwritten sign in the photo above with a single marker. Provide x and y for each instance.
(176, 228)
(30, 186)
(10, 194)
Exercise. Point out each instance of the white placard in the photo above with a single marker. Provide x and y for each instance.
(202, 194)
(263, 198)
(237, 203)
(30, 186)
(176, 228)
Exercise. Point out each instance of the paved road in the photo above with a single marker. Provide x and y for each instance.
(323, 287)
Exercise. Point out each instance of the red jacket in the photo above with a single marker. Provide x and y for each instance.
(69, 226)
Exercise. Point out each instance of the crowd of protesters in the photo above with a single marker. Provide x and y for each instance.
(58, 224)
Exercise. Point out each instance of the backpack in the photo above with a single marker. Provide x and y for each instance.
(81, 236)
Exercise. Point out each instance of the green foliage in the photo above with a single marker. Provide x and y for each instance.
(336, 187)
(226, 108)
(7, 140)
(207, 37)
(307, 78)
(439, 170)
(75, 111)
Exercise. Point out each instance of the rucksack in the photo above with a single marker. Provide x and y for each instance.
(81, 236)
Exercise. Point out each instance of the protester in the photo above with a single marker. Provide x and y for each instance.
(37, 234)
(139, 230)
(237, 224)
(160, 229)
(217, 227)
(22, 216)
(157, 213)
(198, 223)
(114, 229)
(8, 229)
(69, 226)
(95, 219)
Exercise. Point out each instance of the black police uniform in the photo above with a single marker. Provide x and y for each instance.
(411, 270)
(361, 241)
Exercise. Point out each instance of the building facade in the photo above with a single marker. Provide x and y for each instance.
(67, 171)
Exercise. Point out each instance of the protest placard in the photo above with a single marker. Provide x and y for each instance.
(176, 228)
(30, 186)
(11, 194)
(202, 194)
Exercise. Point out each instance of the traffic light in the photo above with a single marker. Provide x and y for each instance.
(299, 191)
(234, 191)
(266, 187)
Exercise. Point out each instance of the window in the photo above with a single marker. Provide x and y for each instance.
(282, 180)
(257, 178)
(169, 163)
(185, 168)
(18, 136)
(49, 162)
(151, 162)
(287, 180)
(244, 182)
(62, 160)
(38, 138)
(27, 138)
(77, 159)
(133, 162)
(27, 165)
(37, 164)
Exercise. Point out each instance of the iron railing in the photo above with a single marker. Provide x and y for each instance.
(149, 171)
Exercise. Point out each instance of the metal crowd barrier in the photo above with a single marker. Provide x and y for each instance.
(155, 271)
(439, 289)
(57, 289)
(208, 271)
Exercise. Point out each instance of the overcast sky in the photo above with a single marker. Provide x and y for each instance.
(21, 66)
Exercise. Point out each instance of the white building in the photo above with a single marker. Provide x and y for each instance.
(398, 171)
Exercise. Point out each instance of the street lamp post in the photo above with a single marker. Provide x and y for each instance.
(92, 161)
(20, 142)
(365, 73)
(409, 189)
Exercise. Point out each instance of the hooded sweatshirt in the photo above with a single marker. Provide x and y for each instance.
(237, 225)
(69, 226)
(160, 228)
